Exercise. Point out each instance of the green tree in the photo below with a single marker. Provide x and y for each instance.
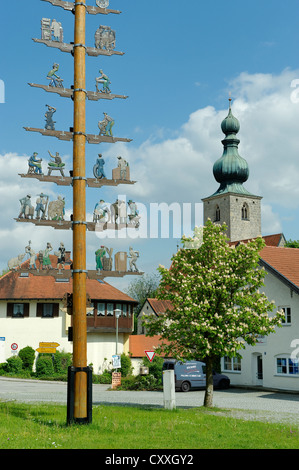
(217, 306)
(292, 244)
(140, 289)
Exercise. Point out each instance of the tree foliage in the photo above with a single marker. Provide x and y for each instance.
(217, 306)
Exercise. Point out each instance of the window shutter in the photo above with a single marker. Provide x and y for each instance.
(39, 310)
(26, 310)
(55, 310)
(9, 310)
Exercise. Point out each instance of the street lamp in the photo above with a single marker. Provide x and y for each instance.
(117, 312)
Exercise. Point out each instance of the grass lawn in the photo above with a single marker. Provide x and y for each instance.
(43, 426)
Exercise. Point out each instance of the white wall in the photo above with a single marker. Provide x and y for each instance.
(276, 344)
(32, 330)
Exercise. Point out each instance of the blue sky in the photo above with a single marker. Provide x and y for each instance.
(181, 61)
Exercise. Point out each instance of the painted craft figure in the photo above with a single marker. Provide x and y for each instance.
(100, 253)
(51, 28)
(27, 209)
(104, 80)
(55, 80)
(32, 256)
(134, 216)
(101, 212)
(50, 124)
(56, 209)
(119, 212)
(41, 206)
(46, 257)
(57, 164)
(15, 263)
(60, 256)
(106, 125)
(34, 164)
(102, 3)
(105, 38)
(98, 169)
(123, 165)
(133, 255)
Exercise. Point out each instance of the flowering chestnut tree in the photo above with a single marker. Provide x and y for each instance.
(217, 306)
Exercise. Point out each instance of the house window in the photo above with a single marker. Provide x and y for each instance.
(109, 309)
(245, 212)
(118, 307)
(217, 214)
(287, 315)
(232, 364)
(17, 310)
(287, 366)
(124, 310)
(47, 310)
(101, 309)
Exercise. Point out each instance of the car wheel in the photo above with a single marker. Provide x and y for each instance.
(223, 384)
(185, 387)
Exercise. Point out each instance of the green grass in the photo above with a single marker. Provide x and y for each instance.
(43, 426)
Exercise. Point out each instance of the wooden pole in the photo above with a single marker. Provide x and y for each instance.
(79, 217)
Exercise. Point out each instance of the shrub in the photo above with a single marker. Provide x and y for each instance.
(126, 365)
(155, 367)
(140, 382)
(14, 364)
(104, 378)
(44, 366)
(62, 361)
(27, 356)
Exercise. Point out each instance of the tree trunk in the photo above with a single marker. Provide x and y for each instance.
(208, 400)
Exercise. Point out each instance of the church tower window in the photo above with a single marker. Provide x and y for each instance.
(245, 211)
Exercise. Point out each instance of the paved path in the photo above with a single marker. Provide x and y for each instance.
(240, 403)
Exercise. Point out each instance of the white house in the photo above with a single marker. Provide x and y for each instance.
(31, 312)
(274, 361)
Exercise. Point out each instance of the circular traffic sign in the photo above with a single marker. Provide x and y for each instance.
(14, 346)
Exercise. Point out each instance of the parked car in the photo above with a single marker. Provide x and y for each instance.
(192, 374)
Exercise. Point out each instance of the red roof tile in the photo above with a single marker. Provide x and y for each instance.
(283, 260)
(160, 306)
(12, 286)
(270, 240)
(138, 344)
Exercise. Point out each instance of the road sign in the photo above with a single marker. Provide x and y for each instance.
(150, 355)
(49, 345)
(116, 364)
(46, 350)
(14, 346)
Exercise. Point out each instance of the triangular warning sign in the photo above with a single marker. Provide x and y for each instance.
(150, 355)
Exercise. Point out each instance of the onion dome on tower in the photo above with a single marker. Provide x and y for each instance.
(231, 170)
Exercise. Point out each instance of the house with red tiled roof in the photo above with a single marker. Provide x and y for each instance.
(32, 311)
(273, 361)
(151, 307)
(138, 345)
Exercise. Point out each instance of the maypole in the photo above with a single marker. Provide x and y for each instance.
(79, 399)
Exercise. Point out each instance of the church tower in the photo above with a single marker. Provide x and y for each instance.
(232, 204)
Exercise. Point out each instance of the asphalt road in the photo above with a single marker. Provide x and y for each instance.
(243, 403)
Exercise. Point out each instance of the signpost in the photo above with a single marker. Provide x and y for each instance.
(150, 355)
(14, 347)
(49, 348)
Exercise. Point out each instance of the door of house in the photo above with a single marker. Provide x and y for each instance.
(259, 369)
